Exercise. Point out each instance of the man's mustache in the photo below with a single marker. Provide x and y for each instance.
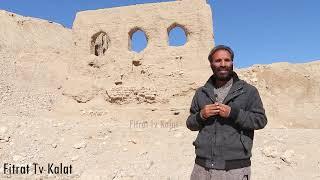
(223, 69)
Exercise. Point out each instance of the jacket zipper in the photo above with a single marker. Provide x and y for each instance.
(215, 125)
(215, 139)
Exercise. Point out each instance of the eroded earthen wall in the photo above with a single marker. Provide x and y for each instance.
(102, 38)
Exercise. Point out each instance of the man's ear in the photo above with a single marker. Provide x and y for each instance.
(234, 65)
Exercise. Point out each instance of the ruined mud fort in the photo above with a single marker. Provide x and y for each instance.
(102, 45)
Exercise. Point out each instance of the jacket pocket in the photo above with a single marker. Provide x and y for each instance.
(203, 145)
(246, 142)
(198, 140)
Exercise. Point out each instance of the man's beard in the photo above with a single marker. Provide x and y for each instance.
(222, 76)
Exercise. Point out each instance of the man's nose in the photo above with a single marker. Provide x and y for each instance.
(223, 63)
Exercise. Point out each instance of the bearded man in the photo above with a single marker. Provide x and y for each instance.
(225, 111)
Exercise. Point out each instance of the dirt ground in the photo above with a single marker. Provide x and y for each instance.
(121, 143)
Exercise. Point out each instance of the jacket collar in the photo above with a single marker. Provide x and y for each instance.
(233, 92)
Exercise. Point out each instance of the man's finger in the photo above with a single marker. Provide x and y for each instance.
(211, 105)
(223, 108)
(213, 112)
(213, 108)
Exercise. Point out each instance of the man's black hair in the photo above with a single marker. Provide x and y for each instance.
(220, 47)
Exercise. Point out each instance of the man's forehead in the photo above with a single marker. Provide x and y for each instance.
(221, 48)
(221, 51)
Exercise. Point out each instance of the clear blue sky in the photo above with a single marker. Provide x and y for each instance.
(260, 32)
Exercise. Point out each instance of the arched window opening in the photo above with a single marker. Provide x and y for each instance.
(99, 43)
(138, 40)
(177, 35)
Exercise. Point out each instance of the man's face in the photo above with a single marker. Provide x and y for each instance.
(222, 65)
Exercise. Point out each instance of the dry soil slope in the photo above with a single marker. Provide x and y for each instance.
(33, 60)
(291, 92)
(29, 34)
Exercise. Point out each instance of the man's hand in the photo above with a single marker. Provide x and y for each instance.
(224, 110)
(209, 110)
(215, 109)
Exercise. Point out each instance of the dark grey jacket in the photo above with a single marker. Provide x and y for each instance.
(221, 139)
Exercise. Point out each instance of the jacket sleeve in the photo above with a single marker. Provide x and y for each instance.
(254, 117)
(194, 121)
